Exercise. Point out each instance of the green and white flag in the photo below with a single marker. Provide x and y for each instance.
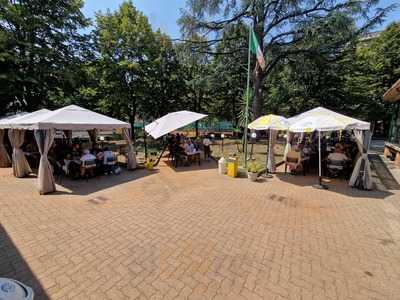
(256, 49)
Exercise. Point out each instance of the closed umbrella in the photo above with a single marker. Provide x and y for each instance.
(171, 122)
(273, 123)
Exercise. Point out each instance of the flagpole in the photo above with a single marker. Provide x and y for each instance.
(247, 102)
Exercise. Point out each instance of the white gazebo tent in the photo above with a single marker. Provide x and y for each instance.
(321, 120)
(20, 165)
(71, 117)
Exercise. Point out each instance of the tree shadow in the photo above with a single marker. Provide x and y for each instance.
(334, 185)
(13, 265)
(82, 187)
(205, 165)
(382, 170)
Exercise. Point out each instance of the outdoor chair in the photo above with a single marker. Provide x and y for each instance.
(180, 158)
(335, 167)
(88, 168)
(293, 160)
(58, 171)
(110, 163)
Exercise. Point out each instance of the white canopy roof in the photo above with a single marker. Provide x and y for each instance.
(171, 122)
(70, 117)
(8, 121)
(323, 119)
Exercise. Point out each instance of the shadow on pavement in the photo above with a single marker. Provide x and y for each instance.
(334, 185)
(383, 172)
(205, 165)
(13, 265)
(96, 184)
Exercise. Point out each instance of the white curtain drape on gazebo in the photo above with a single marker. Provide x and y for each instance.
(288, 146)
(20, 165)
(5, 160)
(323, 120)
(44, 139)
(361, 176)
(271, 155)
(131, 156)
(70, 117)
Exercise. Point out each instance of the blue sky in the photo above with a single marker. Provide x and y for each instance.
(164, 13)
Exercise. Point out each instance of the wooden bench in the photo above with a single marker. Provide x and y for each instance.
(392, 151)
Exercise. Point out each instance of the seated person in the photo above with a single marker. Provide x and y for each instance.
(109, 160)
(179, 154)
(76, 151)
(87, 156)
(307, 149)
(71, 167)
(108, 155)
(189, 147)
(338, 154)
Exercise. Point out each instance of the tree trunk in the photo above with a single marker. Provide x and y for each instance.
(132, 122)
(145, 141)
(258, 99)
(258, 73)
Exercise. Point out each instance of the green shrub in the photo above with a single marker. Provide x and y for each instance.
(254, 167)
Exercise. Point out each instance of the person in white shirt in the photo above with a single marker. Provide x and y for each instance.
(206, 146)
(87, 156)
(338, 155)
(189, 147)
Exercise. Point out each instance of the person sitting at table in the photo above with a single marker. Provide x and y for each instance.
(76, 151)
(338, 154)
(180, 155)
(189, 147)
(72, 167)
(337, 162)
(305, 150)
(85, 158)
(108, 161)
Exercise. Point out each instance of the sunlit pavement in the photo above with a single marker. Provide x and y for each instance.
(194, 234)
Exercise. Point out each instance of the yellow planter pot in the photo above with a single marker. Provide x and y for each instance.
(232, 167)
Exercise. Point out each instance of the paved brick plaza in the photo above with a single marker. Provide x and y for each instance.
(196, 235)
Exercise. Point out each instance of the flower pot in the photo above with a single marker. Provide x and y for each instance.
(252, 176)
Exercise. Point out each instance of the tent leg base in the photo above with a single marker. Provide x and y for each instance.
(320, 186)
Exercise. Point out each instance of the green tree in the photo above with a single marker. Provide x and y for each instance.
(280, 27)
(197, 76)
(124, 41)
(38, 41)
(376, 69)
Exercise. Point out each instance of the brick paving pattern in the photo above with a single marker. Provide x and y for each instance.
(195, 234)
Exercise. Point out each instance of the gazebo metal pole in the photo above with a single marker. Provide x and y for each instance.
(319, 157)
(269, 149)
(320, 185)
(267, 172)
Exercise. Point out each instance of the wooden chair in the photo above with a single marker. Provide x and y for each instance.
(293, 159)
(88, 168)
(110, 163)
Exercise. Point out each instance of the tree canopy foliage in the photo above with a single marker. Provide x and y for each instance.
(316, 54)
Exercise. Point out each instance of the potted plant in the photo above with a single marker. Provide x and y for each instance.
(252, 170)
